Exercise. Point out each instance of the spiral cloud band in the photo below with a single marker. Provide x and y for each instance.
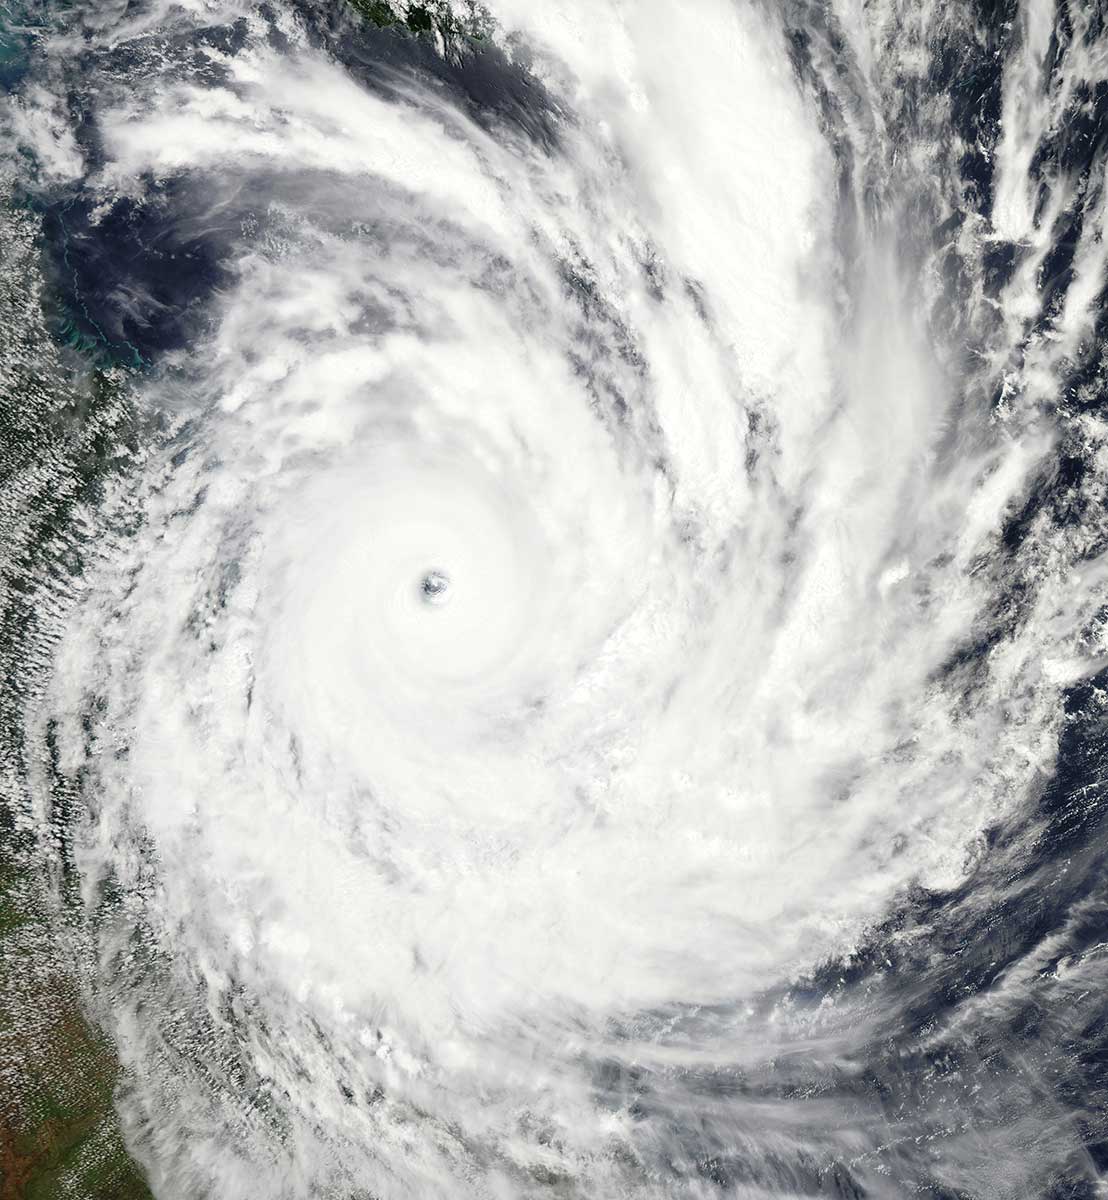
(581, 649)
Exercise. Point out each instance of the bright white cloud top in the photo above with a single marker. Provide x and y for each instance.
(572, 596)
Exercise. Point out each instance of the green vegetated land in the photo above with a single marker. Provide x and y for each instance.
(62, 424)
(425, 18)
(417, 17)
(58, 1131)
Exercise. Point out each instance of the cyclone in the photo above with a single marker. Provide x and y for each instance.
(579, 668)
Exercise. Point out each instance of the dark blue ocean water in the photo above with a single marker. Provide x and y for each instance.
(977, 1065)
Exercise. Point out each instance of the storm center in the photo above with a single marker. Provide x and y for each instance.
(434, 587)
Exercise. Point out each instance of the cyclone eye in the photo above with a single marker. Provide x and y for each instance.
(434, 587)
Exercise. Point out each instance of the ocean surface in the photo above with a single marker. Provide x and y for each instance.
(554, 600)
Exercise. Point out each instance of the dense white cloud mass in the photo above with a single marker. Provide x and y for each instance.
(712, 460)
